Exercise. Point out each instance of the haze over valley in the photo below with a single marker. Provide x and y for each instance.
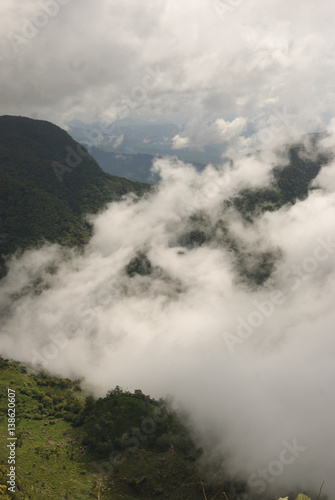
(167, 196)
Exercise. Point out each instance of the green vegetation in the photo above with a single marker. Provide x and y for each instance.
(48, 450)
(123, 420)
(139, 265)
(40, 201)
(125, 446)
(291, 183)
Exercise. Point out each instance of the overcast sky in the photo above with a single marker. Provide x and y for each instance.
(248, 73)
(201, 63)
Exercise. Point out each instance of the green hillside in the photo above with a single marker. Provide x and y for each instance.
(122, 446)
(290, 183)
(48, 182)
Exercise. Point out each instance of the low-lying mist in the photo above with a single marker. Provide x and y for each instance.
(179, 293)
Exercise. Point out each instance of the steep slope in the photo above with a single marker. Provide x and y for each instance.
(291, 182)
(48, 182)
(60, 452)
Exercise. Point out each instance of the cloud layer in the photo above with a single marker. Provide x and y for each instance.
(254, 366)
(199, 64)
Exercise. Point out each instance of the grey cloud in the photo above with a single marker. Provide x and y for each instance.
(253, 366)
(271, 63)
(88, 55)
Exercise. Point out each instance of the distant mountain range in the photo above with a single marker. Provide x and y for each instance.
(133, 166)
(129, 136)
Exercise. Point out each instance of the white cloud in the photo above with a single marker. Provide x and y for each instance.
(118, 141)
(166, 333)
(197, 134)
(179, 142)
(210, 67)
(269, 65)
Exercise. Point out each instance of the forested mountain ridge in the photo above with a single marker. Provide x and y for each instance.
(291, 182)
(48, 182)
